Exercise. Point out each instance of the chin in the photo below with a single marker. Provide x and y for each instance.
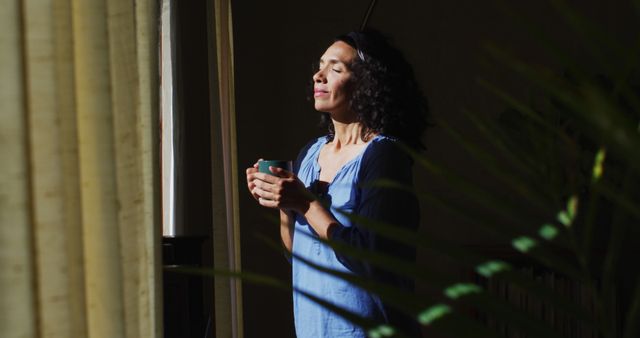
(321, 108)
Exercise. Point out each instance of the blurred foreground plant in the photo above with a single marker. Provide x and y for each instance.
(567, 216)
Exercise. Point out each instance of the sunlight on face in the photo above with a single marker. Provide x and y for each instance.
(331, 81)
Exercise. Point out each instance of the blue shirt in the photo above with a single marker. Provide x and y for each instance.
(380, 159)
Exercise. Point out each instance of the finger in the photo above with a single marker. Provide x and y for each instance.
(266, 177)
(259, 189)
(267, 203)
(251, 174)
(251, 170)
(250, 177)
(251, 187)
(266, 186)
(256, 176)
(256, 197)
(263, 194)
(255, 165)
(281, 172)
(258, 184)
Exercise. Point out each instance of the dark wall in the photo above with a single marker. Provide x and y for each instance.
(188, 308)
(275, 45)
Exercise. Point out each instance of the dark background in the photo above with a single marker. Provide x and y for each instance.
(275, 45)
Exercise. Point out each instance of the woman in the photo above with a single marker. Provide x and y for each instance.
(370, 100)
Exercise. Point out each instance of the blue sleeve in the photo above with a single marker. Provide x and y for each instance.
(395, 207)
(301, 155)
(296, 168)
(391, 206)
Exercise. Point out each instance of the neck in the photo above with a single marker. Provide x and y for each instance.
(347, 133)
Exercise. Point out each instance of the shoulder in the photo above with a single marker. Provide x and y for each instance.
(385, 157)
(312, 146)
(385, 149)
(314, 143)
(308, 150)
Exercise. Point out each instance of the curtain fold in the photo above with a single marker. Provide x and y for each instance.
(79, 200)
(17, 300)
(225, 187)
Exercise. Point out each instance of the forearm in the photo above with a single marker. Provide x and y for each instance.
(316, 215)
(287, 221)
(320, 219)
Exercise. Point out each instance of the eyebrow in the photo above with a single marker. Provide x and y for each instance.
(332, 61)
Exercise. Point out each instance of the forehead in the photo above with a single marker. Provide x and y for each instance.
(339, 51)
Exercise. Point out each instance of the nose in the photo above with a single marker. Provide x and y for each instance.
(319, 76)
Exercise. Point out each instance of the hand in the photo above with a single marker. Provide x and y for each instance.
(250, 179)
(284, 191)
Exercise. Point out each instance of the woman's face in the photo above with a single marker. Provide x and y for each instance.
(331, 89)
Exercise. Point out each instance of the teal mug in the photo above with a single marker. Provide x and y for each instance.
(263, 166)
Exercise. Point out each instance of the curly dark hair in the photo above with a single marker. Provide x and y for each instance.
(386, 96)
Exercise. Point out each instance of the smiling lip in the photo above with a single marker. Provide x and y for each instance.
(318, 92)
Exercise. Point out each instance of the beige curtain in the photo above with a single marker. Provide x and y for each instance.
(79, 215)
(226, 217)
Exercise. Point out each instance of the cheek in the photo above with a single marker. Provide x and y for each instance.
(342, 90)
